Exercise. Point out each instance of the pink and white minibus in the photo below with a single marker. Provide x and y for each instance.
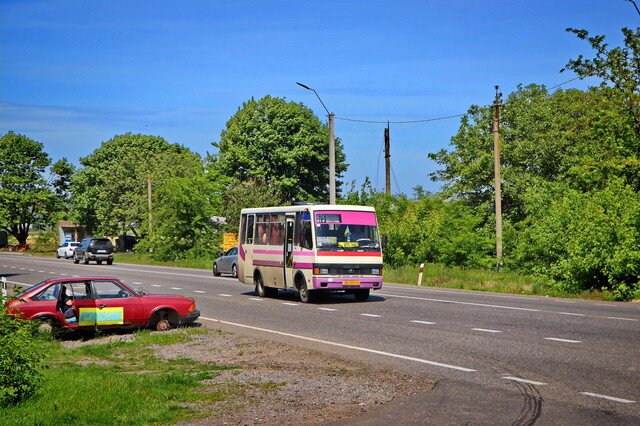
(312, 249)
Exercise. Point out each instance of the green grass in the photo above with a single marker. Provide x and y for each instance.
(475, 279)
(119, 383)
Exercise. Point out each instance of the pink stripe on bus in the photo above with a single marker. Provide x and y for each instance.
(280, 252)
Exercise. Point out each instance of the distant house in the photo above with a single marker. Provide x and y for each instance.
(69, 231)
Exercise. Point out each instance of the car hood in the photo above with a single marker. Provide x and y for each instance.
(167, 296)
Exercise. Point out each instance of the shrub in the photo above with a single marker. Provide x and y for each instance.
(20, 359)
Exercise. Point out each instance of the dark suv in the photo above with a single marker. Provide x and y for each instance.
(97, 249)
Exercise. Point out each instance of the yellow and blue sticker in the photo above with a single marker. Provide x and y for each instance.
(104, 316)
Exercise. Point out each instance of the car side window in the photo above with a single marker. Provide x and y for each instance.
(79, 290)
(110, 290)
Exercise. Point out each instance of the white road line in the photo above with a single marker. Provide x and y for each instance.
(518, 379)
(199, 291)
(371, 315)
(176, 288)
(572, 314)
(156, 285)
(622, 319)
(327, 309)
(257, 299)
(225, 295)
(457, 302)
(341, 345)
(486, 330)
(610, 398)
(423, 322)
(290, 304)
(555, 339)
(137, 283)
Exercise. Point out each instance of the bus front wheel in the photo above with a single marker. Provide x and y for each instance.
(306, 296)
(361, 295)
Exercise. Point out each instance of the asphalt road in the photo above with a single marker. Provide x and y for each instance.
(498, 359)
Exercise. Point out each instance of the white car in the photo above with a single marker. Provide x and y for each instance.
(66, 250)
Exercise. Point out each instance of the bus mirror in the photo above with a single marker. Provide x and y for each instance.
(384, 240)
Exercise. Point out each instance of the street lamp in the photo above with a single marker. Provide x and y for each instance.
(332, 149)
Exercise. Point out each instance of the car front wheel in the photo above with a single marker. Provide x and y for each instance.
(216, 273)
(75, 259)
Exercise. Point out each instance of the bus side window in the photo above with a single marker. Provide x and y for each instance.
(249, 233)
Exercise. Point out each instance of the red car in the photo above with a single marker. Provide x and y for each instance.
(100, 302)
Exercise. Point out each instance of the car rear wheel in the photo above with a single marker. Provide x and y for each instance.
(75, 259)
(163, 325)
(58, 255)
(85, 260)
(234, 271)
(110, 262)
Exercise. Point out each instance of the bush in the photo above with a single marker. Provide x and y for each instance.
(20, 359)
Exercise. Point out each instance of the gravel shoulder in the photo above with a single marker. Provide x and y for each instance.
(284, 384)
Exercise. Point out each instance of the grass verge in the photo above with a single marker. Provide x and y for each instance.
(119, 383)
(481, 280)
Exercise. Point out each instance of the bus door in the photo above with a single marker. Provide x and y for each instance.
(288, 252)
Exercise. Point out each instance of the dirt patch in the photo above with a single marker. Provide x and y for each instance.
(289, 385)
(283, 384)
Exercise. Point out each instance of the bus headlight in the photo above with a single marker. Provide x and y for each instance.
(321, 271)
(376, 271)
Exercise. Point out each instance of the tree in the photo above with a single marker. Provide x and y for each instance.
(25, 197)
(617, 67)
(110, 192)
(281, 144)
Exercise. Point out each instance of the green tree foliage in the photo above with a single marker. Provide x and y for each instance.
(20, 359)
(250, 193)
(281, 144)
(617, 67)
(427, 228)
(25, 197)
(570, 171)
(110, 192)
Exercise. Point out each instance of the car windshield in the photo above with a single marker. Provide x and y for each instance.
(34, 287)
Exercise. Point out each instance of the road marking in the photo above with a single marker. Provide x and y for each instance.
(199, 291)
(290, 304)
(486, 330)
(327, 309)
(555, 339)
(341, 345)
(423, 322)
(371, 315)
(457, 302)
(572, 314)
(176, 288)
(156, 285)
(257, 299)
(518, 379)
(225, 295)
(610, 398)
(622, 319)
(137, 283)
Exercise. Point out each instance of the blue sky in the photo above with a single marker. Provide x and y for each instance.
(76, 73)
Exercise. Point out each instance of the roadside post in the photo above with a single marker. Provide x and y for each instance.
(420, 275)
(4, 287)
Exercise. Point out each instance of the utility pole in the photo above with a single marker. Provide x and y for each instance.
(497, 103)
(387, 160)
(332, 148)
(332, 160)
(149, 201)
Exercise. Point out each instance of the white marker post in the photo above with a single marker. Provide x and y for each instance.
(420, 275)
(4, 287)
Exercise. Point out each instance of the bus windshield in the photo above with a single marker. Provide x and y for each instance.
(347, 237)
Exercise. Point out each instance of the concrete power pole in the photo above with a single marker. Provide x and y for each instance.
(497, 103)
(387, 161)
(332, 160)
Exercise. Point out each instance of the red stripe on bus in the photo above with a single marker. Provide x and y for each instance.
(349, 253)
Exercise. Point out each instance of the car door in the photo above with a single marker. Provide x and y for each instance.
(112, 305)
